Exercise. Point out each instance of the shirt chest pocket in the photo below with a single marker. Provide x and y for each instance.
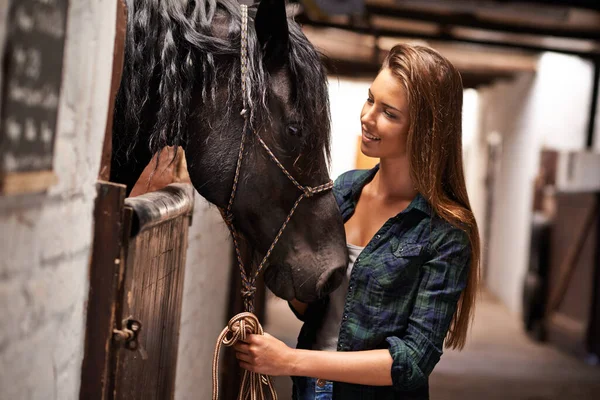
(399, 269)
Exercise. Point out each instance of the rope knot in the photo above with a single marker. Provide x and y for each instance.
(254, 385)
(309, 191)
(248, 293)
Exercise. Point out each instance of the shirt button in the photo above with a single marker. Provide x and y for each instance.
(358, 259)
(377, 236)
(350, 289)
(345, 317)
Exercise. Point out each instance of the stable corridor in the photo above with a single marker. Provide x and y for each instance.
(499, 361)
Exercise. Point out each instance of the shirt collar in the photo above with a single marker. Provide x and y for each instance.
(418, 203)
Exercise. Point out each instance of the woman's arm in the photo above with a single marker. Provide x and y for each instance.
(442, 280)
(268, 355)
(409, 359)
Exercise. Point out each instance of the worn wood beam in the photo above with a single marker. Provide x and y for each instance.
(587, 4)
(444, 36)
(470, 20)
(368, 70)
(117, 71)
(105, 272)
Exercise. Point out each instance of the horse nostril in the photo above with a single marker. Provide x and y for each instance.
(330, 280)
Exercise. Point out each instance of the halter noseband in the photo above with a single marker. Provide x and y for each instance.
(248, 284)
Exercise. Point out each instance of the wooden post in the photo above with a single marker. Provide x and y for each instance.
(105, 272)
(119, 54)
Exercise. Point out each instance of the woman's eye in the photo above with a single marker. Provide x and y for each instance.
(390, 115)
(294, 130)
(369, 100)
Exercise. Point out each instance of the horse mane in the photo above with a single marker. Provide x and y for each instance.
(170, 53)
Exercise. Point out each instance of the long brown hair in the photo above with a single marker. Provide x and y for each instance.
(435, 93)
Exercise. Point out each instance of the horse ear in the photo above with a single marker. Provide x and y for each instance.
(272, 32)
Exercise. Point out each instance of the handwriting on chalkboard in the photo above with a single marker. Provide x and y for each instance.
(50, 22)
(33, 75)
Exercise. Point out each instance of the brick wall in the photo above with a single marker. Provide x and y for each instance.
(45, 239)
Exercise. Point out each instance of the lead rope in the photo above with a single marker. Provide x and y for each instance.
(246, 323)
(243, 324)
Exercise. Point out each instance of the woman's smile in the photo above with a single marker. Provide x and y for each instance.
(368, 137)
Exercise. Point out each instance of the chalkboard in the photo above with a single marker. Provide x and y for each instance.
(32, 76)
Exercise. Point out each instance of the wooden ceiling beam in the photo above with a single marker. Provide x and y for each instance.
(586, 4)
(443, 36)
(472, 21)
(368, 70)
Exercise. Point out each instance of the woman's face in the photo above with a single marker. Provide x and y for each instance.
(384, 118)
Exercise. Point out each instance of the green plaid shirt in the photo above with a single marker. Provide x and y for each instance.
(402, 294)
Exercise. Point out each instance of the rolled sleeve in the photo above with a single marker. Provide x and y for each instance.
(442, 279)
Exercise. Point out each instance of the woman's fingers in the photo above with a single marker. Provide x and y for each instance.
(247, 366)
(243, 357)
(242, 353)
(242, 347)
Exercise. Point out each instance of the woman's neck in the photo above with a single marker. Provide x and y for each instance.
(393, 182)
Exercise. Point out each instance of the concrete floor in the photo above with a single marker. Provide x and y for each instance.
(499, 361)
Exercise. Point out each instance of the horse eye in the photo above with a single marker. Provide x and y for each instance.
(294, 130)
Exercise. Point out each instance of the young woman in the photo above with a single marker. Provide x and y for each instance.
(413, 245)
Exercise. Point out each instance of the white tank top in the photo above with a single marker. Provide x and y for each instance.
(327, 336)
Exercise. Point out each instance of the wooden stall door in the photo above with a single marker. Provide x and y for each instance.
(573, 252)
(149, 312)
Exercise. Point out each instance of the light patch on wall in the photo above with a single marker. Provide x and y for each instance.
(347, 97)
(470, 117)
(561, 100)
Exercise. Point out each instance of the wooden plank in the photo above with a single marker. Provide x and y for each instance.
(569, 263)
(27, 182)
(117, 72)
(105, 269)
(593, 342)
(572, 48)
(472, 20)
(567, 326)
(153, 293)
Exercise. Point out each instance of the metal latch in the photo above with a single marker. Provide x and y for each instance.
(129, 334)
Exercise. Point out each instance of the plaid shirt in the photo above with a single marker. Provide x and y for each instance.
(402, 294)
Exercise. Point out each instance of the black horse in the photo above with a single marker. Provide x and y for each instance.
(181, 86)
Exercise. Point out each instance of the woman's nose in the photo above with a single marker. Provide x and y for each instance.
(367, 117)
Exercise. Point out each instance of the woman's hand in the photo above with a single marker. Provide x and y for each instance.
(265, 354)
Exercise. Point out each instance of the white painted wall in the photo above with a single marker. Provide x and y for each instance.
(548, 109)
(45, 239)
(347, 97)
(472, 151)
(205, 299)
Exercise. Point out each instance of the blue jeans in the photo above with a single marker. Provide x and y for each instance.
(311, 389)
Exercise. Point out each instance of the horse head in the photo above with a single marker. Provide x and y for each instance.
(182, 86)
